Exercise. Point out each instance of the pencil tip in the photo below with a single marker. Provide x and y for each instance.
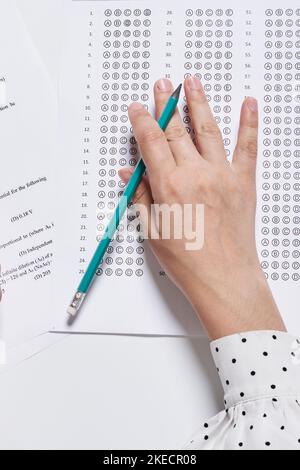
(176, 93)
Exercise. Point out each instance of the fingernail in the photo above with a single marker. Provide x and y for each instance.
(136, 106)
(252, 104)
(194, 83)
(164, 85)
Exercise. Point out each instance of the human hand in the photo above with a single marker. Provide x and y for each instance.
(223, 280)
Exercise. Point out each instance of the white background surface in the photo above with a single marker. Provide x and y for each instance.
(104, 392)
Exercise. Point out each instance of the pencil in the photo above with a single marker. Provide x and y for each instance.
(111, 228)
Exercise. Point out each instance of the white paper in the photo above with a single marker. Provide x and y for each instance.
(113, 54)
(41, 18)
(14, 356)
(27, 136)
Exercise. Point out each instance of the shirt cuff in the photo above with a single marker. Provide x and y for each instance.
(257, 364)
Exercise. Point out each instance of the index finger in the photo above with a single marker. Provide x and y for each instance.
(153, 144)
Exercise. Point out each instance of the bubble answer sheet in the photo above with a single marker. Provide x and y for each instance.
(114, 52)
(27, 136)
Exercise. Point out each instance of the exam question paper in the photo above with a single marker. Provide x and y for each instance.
(113, 53)
(27, 136)
(39, 18)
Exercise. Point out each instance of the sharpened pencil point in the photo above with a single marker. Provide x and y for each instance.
(176, 93)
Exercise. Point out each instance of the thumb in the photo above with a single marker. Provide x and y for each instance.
(143, 193)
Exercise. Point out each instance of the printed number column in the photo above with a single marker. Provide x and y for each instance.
(86, 142)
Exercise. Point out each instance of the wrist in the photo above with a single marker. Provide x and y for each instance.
(239, 301)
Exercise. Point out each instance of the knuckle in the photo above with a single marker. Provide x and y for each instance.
(209, 129)
(174, 133)
(151, 136)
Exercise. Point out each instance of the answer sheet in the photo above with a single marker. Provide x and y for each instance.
(27, 136)
(113, 54)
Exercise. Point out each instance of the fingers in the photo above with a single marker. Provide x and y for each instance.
(245, 154)
(154, 147)
(207, 133)
(179, 141)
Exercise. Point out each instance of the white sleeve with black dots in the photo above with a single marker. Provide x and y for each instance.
(260, 374)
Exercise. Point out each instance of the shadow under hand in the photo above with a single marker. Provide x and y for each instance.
(173, 298)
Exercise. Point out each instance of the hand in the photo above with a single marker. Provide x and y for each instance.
(223, 280)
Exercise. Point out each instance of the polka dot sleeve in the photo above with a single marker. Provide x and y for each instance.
(260, 374)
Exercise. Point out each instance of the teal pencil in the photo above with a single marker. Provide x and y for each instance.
(111, 228)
